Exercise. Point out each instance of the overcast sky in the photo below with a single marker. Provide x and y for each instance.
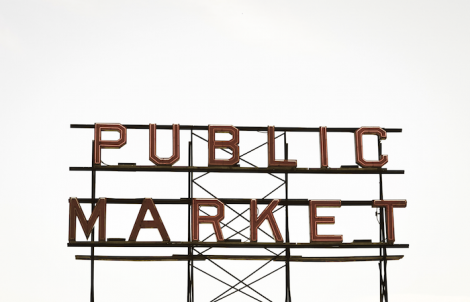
(395, 64)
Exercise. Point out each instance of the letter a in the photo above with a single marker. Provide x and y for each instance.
(156, 223)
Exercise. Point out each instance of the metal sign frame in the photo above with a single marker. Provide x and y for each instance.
(194, 252)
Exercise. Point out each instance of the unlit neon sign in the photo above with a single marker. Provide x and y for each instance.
(256, 219)
(232, 145)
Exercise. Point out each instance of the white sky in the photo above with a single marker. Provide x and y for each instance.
(402, 64)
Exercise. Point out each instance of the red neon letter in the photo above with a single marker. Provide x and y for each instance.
(323, 148)
(255, 222)
(153, 146)
(389, 205)
(215, 220)
(382, 134)
(156, 223)
(272, 162)
(75, 210)
(231, 144)
(99, 144)
(315, 220)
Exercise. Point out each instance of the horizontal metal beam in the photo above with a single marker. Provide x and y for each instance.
(232, 244)
(239, 257)
(141, 258)
(344, 259)
(186, 201)
(241, 128)
(135, 168)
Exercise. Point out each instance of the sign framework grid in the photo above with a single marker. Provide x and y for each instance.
(197, 250)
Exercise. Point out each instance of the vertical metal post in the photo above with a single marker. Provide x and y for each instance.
(92, 252)
(383, 239)
(286, 154)
(189, 224)
(190, 291)
(192, 249)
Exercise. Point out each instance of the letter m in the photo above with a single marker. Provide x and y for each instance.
(87, 225)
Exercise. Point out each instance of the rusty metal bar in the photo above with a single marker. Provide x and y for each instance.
(235, 244)
(226, 225)
(234, 169)
(254, 272)
(190, 258)
(201, 175)
(247, 220)
(274, 190)
(280, 208)
(188, 201)
(230, 274)
(223, 225)
(92, 251)
(240, 258)
(240, 157)
(241, 128)
(252, 282)
(231, 287)
(286, 183)
(213, 196)
(255, 148)
(233, 235)
(191, 197)
(383, 250)
(236, 212)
